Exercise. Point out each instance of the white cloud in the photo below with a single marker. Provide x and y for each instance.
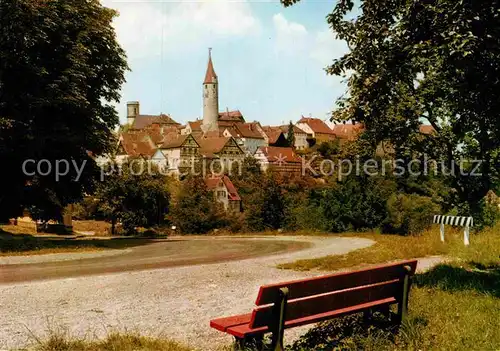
(184, 25)
(326, 48)
(290, 36)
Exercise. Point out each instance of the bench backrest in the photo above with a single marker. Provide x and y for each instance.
(314, 296)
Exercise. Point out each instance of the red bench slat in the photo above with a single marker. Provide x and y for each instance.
(244, 330)
(334, 282)
(330, 302)
(224, 323)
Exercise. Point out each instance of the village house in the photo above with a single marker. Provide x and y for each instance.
(224, 192)
(221, 152)
(180, 153)
(316, 128)
(279, 159)
(274, 136)
(248, 136)
(134, 145)
(300, 136)
(348, 131)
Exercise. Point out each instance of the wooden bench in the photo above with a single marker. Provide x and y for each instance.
(295, 303)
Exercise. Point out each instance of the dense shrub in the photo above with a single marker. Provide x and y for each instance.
(136, 199)
(410, 214)
(267, 208)
(195, 210)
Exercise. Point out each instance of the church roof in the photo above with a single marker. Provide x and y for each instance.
(210, 76)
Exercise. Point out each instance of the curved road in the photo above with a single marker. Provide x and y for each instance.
(160, 254)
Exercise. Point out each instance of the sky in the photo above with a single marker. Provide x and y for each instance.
(269, 59)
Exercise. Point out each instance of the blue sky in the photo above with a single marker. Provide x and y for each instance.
(269, 59)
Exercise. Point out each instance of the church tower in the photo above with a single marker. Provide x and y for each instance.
(210, 98)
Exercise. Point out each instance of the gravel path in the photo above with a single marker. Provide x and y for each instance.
(172, 302)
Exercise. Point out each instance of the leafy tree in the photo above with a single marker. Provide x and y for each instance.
(267, 210)
(290, 137)
(61, 68)
(134, 196)
(414, 61)
(195, 210)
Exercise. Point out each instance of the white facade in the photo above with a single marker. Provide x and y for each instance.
(159, 160)
(173, 159)
(305, 127)
(261, 160)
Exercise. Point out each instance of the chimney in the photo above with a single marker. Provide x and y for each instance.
(132, 111)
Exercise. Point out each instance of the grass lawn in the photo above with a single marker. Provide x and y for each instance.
(113, 342)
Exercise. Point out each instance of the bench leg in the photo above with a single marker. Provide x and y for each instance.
(403, 305)
(367, 315)
(251, 342)
(278, 326)
(239, 344)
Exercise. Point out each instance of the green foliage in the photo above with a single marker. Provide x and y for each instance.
(267, 210)
(195, 210)
(328, 149)
(136, 199)
(87, 209)
(61, 70)
(487, 215)
(410, 214)
(436, 62)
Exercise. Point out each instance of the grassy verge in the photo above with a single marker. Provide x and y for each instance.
(393, 247)
(454, 306)
(113, 342)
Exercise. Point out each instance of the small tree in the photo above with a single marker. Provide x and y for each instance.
(134, 198)
(267, 210)
(195, 210)
(290, 137)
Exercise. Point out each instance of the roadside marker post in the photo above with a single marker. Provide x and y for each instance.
(461, 221)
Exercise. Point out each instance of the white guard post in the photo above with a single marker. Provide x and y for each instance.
(466, 222)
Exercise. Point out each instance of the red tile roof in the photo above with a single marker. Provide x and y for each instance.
(426, 129)
(213, 182)
(273, 133)
(296, 130)
(196, 125)
(210, 76)
(245, 130)
(234, 116)
(348, 131)
(137, 144)
(143, 121)
(174, 141)
(317, 125)
(274, 154)
(209, 147)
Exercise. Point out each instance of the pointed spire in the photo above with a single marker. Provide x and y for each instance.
(210, 76)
